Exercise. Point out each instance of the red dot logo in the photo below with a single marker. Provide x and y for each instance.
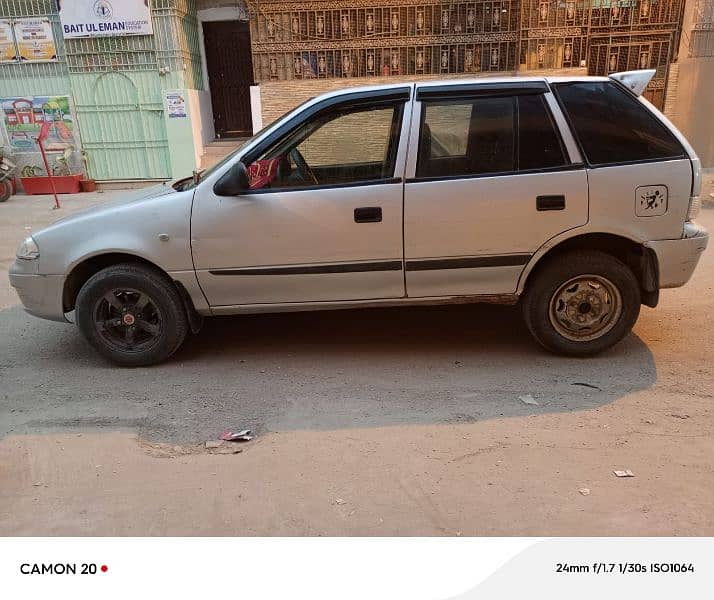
(105, 568)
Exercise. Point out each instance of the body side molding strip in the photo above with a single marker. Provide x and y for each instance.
(476, 262)
(362, 267)
(429, 264)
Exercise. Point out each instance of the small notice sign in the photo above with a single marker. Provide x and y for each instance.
(176, 103)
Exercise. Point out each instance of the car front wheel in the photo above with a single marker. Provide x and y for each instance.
(131, 314)
(581, 303)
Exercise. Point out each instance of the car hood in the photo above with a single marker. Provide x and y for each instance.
(145, 196)
(128, 197)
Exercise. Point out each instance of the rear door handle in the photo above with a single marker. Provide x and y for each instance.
(550, 202)
(368, 214)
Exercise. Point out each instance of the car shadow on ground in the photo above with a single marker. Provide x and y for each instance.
(319, 370)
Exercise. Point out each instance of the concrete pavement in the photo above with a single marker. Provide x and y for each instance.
(383, 422)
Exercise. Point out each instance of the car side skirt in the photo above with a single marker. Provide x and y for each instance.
(508, 299)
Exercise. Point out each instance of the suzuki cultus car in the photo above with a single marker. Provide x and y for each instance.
(573, 197)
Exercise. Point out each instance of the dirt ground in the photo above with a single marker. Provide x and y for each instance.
(380, 422)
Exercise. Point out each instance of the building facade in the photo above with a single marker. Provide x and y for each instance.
(692, 80)
(115, 87)
(145, 105)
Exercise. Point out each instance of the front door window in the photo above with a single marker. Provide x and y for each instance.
(339, 147)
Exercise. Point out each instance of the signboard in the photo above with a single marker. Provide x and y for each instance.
(8, 50)
(94, 18)
(24, 116)
(35, 40)
(176, 103)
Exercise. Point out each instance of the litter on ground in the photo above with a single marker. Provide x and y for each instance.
(624, 473)
(236, 436)
(587, 385)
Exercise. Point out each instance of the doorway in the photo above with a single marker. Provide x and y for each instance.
(230, 75)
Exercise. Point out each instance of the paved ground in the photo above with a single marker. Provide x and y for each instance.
(379, 422)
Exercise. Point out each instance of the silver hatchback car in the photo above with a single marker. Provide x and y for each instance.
(572, 196)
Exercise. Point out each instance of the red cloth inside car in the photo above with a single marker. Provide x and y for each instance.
(261, 173)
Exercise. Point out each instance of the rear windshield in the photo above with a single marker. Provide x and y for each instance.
(613, 127)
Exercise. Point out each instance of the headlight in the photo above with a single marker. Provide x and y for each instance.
(28, 250)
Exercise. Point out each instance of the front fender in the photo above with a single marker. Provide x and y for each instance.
(156, 229)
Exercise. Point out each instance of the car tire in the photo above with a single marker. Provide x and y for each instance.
(132, 315)
(581, 302)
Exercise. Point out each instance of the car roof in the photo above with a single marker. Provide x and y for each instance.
(460, 81)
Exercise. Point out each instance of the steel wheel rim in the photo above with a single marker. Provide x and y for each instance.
(128, 320)
(585, 307)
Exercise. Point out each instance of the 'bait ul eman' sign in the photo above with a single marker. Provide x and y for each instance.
(93, 18)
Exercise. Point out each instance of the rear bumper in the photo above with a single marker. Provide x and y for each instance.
(41, 295)
(677, 259)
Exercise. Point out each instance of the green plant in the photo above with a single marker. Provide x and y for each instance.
(31, 171)
(61, 166)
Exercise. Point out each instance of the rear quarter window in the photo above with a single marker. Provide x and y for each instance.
(614, 127)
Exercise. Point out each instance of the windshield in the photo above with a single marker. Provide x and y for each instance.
(187, 183)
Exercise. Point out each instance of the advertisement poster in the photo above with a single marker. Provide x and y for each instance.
(8, 50)
(93, 18)
(35, 41)
(23, 117)
(176, 105)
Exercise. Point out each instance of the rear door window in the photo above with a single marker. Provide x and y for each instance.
(539, 145)
(487, 135)
(614, 127)
(466, 137)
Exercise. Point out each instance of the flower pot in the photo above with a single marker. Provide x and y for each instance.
(88, 185)
(64, 184)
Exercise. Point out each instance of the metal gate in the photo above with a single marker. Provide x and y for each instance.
(122, 123)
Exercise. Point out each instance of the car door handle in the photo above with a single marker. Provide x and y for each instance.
(550, 203)
(368, 214)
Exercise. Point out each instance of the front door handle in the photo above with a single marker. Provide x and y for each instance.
(368, 214)
(550, 202)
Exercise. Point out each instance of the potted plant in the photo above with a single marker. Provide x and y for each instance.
(88, 184)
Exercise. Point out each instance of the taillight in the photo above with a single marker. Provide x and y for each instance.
(695, 205)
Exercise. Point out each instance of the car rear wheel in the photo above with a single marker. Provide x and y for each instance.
(132, 315)
(581, 303)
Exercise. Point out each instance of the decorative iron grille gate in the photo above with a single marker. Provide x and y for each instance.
(635, 34)
(316, 39)
(553, 34)
(701, 36)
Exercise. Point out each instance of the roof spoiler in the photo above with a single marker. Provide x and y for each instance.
(635, 80)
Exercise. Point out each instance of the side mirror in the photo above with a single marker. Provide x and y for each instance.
(234, 182)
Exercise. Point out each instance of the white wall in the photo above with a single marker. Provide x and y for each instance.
(256, 108)
(233, 5)
(201, 112)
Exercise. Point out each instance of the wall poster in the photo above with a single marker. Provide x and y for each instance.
(23, 117)
(8, 49)
(35, 40)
